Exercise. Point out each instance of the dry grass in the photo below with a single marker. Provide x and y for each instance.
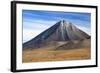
(55, 55)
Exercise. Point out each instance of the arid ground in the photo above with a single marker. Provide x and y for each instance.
(41, 55)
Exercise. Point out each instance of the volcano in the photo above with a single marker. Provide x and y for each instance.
(62, 31)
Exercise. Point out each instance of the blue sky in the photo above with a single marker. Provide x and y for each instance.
(35, 22)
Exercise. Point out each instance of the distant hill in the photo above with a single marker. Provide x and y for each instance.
(62, 31)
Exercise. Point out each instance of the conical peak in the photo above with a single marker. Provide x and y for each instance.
(62, 21)
(65, 23)
(61, 31)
